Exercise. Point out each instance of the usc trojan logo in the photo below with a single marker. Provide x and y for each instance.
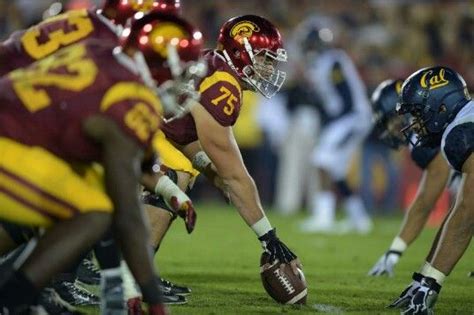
(243, 29)
(433, 81)
(164, 34)
(142, 5)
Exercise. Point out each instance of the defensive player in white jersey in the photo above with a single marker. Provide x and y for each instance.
(345, 121)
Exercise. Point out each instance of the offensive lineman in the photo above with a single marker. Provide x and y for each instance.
(247, 57)
(106, 24)
(120, 118)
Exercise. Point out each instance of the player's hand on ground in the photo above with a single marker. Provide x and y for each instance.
(385, 264)
(186, 211)
(405, 297)
(277, 250)
(424, 299)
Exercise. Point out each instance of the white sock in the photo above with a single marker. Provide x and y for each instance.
(130, 287)
(324, 207)
(398, 245)
(355, 209)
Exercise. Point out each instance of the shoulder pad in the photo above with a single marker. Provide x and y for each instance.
(221, 95)
(459, 144)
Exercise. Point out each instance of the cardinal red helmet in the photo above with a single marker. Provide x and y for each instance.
(252, 47)
(120, 11)
(172, 50)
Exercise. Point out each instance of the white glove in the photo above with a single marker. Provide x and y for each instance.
(385, 264)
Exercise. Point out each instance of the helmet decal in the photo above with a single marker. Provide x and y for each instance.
(164, 34)
(142, 5)
(398, 86)
(243, 29)
(432, 81)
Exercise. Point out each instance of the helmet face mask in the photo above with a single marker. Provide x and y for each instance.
(263, 75)
(389, 130)
(179, 94)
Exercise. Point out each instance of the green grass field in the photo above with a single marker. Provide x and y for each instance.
(220, 262)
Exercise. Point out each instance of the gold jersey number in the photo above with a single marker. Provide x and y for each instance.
(29, 83)
(78, 24)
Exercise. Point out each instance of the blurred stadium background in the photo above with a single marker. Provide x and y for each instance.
(385, 38)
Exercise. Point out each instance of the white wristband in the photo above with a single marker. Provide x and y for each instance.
(201, 161)
(398, 245)
(434, 273)
(262, 226)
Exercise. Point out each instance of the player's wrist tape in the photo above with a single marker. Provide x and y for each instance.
(165, 187)
(201, 161)
(398, 245)
(434, 273)
(262, 227)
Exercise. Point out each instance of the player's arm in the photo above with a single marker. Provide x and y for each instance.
(434, 179)
(219, 144)
(432, 184)
(121, 159)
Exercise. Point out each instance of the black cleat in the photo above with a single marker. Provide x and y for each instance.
(471, 274)
(75, 295)
(88, 273)
(52, 303)
(172, 299)
(173, 289)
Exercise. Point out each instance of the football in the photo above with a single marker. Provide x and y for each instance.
(282, 284)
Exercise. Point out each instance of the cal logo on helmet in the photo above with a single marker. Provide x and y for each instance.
(164, 34)
(243, 29)
(432, 81)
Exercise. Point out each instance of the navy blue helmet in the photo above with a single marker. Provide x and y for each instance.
(387, 124)
(433, 97)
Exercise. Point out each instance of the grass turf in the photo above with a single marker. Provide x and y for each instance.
(219, 261)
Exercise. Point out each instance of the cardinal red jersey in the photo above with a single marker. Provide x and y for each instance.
(26, 46)
(221, 96)
(46, 103)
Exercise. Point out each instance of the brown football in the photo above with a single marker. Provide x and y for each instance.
(282, 284)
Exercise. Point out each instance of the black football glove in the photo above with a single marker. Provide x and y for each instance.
(275, 248)
(423, 302)
(405, 297)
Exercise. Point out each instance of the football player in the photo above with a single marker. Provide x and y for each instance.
(90, 102)
(436, 173)
(106, 23)
(345, 122)
(24, 47)
(442, 113)
(247, 57)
